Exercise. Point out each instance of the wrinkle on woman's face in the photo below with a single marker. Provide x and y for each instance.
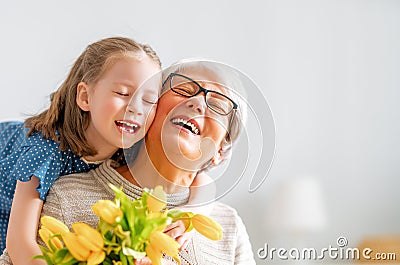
(187, 130)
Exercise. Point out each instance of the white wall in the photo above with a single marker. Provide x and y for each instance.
(329, 69)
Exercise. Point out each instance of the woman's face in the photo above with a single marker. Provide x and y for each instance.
(189, 132)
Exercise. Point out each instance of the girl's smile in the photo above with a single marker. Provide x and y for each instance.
(121, 104)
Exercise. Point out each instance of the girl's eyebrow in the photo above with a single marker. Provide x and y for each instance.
(126, 84)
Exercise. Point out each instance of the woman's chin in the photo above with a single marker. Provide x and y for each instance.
(184, 150)
(185, 157)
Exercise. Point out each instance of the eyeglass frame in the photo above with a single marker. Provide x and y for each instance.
(201, 89)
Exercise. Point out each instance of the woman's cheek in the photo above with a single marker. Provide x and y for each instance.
(150, 117)
(168, 102)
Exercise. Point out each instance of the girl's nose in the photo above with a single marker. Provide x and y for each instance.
(135, 106)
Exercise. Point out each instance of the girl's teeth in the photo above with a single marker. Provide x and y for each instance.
(127, 126)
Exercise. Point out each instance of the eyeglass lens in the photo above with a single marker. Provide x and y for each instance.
(216, 101)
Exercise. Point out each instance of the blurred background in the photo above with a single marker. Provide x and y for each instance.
(328, 69)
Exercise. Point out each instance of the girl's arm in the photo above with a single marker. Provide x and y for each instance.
(23, 224)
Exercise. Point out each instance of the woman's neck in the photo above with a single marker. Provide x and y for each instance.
(152, 168)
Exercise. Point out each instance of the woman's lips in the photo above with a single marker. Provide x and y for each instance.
(129, 127)
(189, 125)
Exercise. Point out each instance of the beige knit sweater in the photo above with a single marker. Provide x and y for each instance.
(70, 199)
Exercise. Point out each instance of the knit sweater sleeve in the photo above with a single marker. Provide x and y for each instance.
(243, 251)
(53, 206)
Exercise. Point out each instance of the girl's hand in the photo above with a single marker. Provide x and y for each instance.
(176, 230)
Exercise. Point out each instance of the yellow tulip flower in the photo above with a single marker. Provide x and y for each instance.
(46, 235)
(207, 227)
(96, 258)
(93, 239)
(78, 250)
(157, 200)
(153, 255)
(161, 243)
(54, 225)
(107, 210)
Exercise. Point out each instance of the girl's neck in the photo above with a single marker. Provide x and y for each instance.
(104, 151)
(100, 156)
(152, 168)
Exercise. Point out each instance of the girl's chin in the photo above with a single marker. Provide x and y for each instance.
(129, 142)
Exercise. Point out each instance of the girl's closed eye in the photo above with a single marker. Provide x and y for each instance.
(123, 94)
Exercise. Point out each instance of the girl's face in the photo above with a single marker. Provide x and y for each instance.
(120, 112)
(190, 133)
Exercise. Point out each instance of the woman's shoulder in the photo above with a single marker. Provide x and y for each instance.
(221, 210)
(235, 247)
(228, 218)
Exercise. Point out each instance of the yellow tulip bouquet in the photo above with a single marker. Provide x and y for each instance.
(127, 230)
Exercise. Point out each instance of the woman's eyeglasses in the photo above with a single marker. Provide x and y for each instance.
(187, 87)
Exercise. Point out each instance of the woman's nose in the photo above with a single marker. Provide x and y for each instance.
(197, 103)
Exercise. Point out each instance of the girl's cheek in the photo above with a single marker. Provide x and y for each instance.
(115, 104)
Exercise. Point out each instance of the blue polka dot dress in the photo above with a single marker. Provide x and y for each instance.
(21, 157)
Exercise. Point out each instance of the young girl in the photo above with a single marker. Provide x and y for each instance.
(84, 125)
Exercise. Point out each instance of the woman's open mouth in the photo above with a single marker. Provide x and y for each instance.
(189, 125)
(127, 126)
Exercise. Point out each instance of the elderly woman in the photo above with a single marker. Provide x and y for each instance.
(197, 120)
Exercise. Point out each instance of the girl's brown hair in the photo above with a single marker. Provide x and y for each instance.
(64, 121)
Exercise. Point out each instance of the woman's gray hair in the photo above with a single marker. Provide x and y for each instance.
(228, 78)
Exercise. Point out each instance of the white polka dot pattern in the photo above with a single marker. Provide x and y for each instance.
(22, 157)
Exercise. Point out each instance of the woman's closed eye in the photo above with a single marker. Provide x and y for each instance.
(150, 100)
(187, 89)
(218, 105)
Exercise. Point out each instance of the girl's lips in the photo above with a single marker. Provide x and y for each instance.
(186, 124)
(129, 127)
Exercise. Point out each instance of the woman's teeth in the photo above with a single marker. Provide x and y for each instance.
(186, 124)
(127, 126)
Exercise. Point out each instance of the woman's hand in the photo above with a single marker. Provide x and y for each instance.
(176, 230)
(147, 261)
(143, 261)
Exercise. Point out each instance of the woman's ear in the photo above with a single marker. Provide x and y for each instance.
(82, 96)
(218, 158)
